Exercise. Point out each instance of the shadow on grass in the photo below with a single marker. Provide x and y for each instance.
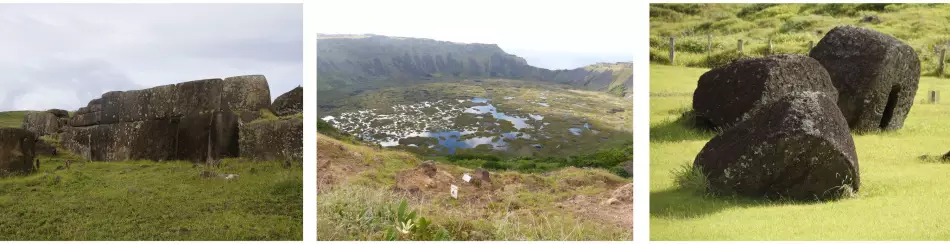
(689, 198)
(683, 128)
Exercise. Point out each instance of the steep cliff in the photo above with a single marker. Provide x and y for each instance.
(348, 61)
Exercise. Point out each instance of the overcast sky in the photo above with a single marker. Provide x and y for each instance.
(63, 55)
(549, 34)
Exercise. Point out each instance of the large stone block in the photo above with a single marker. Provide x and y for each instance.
(729, 94)
(16, 151)
(245, 93)
(208, 136)
(41, 123)
(280, 139)
(140, 140)
(875, 74)
(798, 147)
(289, 103)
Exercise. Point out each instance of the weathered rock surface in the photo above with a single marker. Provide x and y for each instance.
(41, 123)
(875, 74)
(280, 139)
(289, 103)
(728, 95)
(16, 151)
(43, 147)
(59, 113)
(799, 147)
(195, 121)
(208, 136)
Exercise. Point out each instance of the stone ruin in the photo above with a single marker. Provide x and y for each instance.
(729, 94)
(792, 133)
(875, 74)
(197, 121)
(289, 103)
(798, 147)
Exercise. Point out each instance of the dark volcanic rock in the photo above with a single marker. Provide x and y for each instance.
(729, 94)
(207, 137)
(16, 151)
(799, 147)
(279, 139)
(195, 121)
(289, 103)
(44, 148)
(59, 113)
(245, 93)
(41, 123)
(876, 76)
(140, 140)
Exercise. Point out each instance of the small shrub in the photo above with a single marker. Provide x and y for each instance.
(690, 178)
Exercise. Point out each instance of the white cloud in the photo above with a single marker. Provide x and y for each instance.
(549, 29)
(87, 49)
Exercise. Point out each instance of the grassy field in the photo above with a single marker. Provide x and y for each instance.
(145, 200)
(790, 26)
(902, 197)
(360, 189)
(12, 119)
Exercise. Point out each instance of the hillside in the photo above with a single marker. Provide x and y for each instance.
(790, 27)
(360, 189)
(13, 119)
(354, 62)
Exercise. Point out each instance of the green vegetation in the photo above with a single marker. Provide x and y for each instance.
(357, 200)
(567, 109)
(12, 119)
(901, 198)
(612, 159)
(790, 27)
(145, 200)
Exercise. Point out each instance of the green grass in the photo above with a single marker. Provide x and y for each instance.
(790, 26)
(144, 200)
(901, 198)
(356, 208)
(13, 119)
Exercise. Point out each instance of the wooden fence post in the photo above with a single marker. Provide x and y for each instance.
(740, 47)
(672, 50)
(943, 53)
(933, 97)
(770, 46)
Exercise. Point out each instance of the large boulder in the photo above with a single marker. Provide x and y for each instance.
(60, 113)
(43, 147)
(140, 140)
(245, 93)
(289, 103)
(208, 136)
(41, 123)
(16, 151)
(277, 139)
(729, 94)
(876, 76)
(798, 147)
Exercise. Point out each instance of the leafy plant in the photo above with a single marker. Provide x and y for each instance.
(406, 226)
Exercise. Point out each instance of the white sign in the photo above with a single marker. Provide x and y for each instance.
(455, 192)
(466, 177)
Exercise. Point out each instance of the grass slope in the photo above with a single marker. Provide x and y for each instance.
(13, 119)
(145, 200)
(357, 200)
(902, 197)
(790, 26)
